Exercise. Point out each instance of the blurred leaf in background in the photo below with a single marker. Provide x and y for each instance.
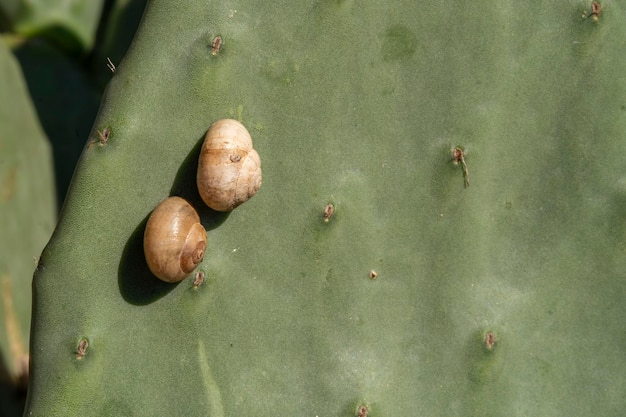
(27, 218)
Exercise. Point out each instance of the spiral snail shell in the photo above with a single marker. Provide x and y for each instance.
(174, 240)
(229, 169)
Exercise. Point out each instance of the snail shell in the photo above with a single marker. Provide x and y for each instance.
(174, 240)
(229, 170)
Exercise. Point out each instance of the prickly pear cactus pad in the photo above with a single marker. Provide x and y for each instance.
(417, 295)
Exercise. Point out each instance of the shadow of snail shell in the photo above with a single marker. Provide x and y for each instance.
(229, 169)
(174, 240)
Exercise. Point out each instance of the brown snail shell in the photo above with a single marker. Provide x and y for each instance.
(229, 169)
(174, 240)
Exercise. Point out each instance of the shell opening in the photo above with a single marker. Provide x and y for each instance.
(193, 251)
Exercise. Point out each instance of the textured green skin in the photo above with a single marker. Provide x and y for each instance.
(359, 104)
(27, 218)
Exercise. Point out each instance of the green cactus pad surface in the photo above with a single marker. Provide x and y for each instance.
(419, 295)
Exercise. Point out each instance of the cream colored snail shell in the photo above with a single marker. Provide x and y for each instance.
(174, 240)
(229, 170)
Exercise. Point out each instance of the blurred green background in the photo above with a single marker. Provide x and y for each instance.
(54, 67)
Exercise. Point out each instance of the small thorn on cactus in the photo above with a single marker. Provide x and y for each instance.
(373, 274)
(104, 137)
(458, 156)
(110, 65)
(362, 411)
(596, 8)
(329, 210)
(216, 45)
(490, 340)
(81, 350)
(199, 279)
